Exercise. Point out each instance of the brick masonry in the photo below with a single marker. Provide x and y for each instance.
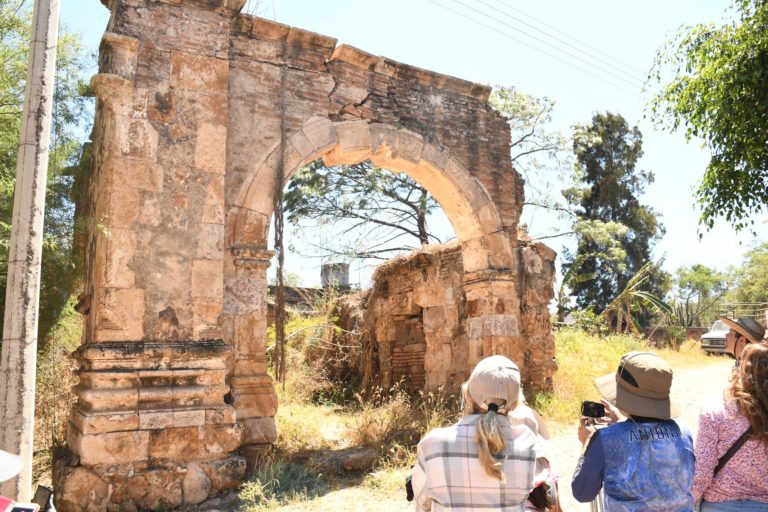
(198, 107)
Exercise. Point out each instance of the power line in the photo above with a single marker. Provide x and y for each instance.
(631, 73)
(555, 47)
(508, 36)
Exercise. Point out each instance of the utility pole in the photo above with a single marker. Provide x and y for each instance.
(18, 357)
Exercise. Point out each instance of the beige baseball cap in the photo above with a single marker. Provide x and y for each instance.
(496, 380)
(640, 386)
(10, 465)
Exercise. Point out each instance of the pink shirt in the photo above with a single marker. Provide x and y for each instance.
(744, 476)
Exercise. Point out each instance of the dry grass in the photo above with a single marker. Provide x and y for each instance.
(582, 357)
(53, 394)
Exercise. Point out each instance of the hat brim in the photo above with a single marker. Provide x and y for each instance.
(10, 465)
(633, 404)
(733, 324)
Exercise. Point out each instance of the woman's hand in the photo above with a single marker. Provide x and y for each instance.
(612, 413)
(586, 430)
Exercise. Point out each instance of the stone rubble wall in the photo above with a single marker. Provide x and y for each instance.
(417, 307)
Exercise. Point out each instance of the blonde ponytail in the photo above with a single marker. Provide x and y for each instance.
(490, 440)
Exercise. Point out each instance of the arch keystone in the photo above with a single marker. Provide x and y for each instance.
(354, 143)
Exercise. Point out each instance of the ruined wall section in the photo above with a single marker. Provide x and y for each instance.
(418, 308)
(537, 278)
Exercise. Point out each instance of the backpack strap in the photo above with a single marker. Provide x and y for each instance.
(732, 450)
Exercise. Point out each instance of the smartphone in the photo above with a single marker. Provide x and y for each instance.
(592, 409)
(25, 507)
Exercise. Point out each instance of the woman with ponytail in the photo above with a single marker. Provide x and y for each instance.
(485, 461)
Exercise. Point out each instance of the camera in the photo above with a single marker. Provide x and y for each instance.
(592, 409)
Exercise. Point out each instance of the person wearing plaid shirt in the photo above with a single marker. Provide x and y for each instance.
(486, 460)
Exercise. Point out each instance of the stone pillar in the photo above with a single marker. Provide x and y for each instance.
(245, 311)
(152, 427)
(537, 277)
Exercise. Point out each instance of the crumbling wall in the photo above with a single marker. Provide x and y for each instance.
(418, 318)
(417, 314)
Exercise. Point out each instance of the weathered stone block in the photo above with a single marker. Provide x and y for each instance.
(92, 422)
(155, 489)
(196, 485)
(198, 72)
(111, 447)
(210, 148)
(259, 430)
(188, 418)
(121, 249)
(213, 208)
(207, 278)
(225, 474)
(175, 444)
(119, 314)
(80, 490)
(152, 420)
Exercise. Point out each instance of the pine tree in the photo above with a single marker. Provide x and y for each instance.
(615, 232)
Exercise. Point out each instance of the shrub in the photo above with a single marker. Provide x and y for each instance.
(589, 322)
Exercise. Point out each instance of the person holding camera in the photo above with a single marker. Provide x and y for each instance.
(732, 441)
(485, 460)
(643, 460)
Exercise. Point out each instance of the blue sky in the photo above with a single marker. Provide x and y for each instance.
(504, 42)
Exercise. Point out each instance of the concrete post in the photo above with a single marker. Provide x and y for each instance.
(19, 348)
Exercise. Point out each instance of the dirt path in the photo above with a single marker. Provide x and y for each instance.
(692, 388)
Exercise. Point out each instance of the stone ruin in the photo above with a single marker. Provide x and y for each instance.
(199, 110)
(416, 317)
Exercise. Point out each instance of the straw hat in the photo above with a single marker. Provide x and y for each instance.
(747, 327)
(640, 386)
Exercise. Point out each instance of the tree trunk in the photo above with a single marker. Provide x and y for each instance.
(422, 218)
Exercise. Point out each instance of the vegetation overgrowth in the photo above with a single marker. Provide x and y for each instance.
(391, 422)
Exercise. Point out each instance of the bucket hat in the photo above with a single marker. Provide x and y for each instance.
(640, 386)
(10, 465)
(496, 380)
(747, 327)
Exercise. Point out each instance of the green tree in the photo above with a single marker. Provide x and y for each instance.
(70, 111)
(376, 212)
(539, 152)
(696, 293)
(751, 277)
(626, 310)
(615, 233)
(719, 92)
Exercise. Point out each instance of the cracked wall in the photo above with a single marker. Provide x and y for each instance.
(198, 107)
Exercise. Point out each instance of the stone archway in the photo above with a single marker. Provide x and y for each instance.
(193, 101)
(487, 251)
